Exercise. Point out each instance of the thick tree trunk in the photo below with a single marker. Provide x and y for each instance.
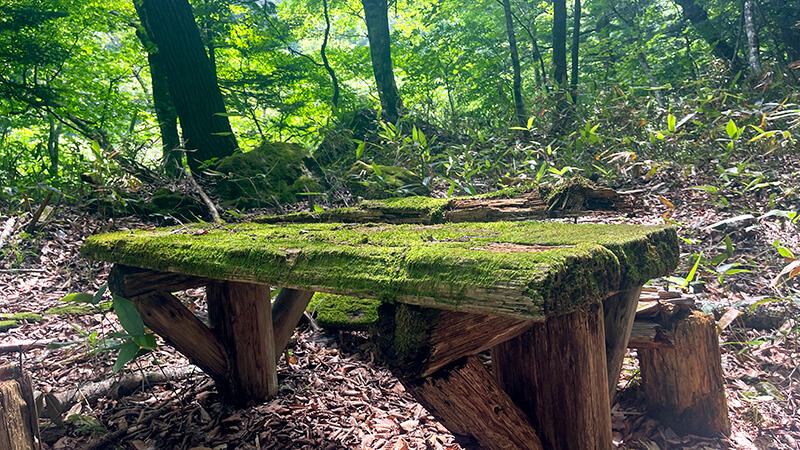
(191, 78)
(376, 15)
(560, 44)
(519, 103)
(576, 41)
(754, 56)
(719, 46)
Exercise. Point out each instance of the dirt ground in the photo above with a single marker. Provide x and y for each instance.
(333, 390)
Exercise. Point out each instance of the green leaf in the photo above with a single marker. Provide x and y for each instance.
(732, 129)
(224, 133)
(377, 169)
(78, 298)
(147, 341)
(126, 353)
(671, 123)
(360, 149)
(227, 114)
(128, 316)
(98, 296)
(318, 209)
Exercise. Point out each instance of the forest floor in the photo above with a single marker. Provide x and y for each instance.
(335, 393)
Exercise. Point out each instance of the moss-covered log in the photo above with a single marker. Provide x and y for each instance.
(525, 203)
(525, 270)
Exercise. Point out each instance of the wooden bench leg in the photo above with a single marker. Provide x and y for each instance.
(287, 310)
(556, 373)
(619, 311)
(241, 317)
(432, 353)
(683, 383)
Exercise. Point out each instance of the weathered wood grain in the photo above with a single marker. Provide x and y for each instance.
(241, 317)
(556, 373)
(287, 309)
(619, 311)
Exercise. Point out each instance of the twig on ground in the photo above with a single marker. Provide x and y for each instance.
(209, 204)
(21, 346)
(31, 227)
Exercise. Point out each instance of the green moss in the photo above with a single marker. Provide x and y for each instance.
(29, 316)
(343, 312)
(523, 268)
(274, 171)
(6, 325)
(569, 196)
(393, 181)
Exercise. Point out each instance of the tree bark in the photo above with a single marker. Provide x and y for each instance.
(376, 15)
(719, 46)
(576, 41)
(519, 103)
(324, 55)
(754, 56)
(191, 79)
(52, 144)
(563, 107)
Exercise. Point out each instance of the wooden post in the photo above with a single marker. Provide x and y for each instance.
(556, 373)
(683, 383)
(287, 310)
(241, 317)
(468, 401)
(619, 311)
(19, 425)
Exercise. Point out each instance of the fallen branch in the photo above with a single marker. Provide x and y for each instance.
(31, 227)
(119, 387)
(209, 204)
(7, 229)
(23, 271)
(21, 346)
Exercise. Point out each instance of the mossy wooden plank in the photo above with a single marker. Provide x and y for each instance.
(521, 269)
(520, 203)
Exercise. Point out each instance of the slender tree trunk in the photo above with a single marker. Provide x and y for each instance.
(560, 44)
(650, 76)
(719, 46)
(52, 144)
(519, 103)
(563, 107)
(576, 41)
(754, 56)
(324, 55)
(376, 15)
(191, 78)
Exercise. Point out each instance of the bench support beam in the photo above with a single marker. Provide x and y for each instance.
(468, 401)
(556, 373)
(619, 311)
(241, 317)
(287, 310)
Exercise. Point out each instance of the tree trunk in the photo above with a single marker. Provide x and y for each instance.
(642, 58)
(719, 46)
(754, 57)
(324, 55)
(576, 41)
(563, 107)
(164, 107)
(52, 144)
(519, 103)
(191, 79)
(376, 15)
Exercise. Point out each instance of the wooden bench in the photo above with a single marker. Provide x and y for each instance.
(554, 302)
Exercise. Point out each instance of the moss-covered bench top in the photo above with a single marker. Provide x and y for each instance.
(522, 269)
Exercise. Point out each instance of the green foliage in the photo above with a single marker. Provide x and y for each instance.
(135, 340)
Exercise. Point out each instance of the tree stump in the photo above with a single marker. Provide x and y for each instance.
(683, 383)
(19, 426)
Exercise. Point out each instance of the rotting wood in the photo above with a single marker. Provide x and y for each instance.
(287, 310)
(424, 340)
(556, 373)
(19, 426)
(646, 335)
(166, 315)
(469, 402)
(8, 227)
(683, 384)
(619, 311)
(128, 281)
(241, 317)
